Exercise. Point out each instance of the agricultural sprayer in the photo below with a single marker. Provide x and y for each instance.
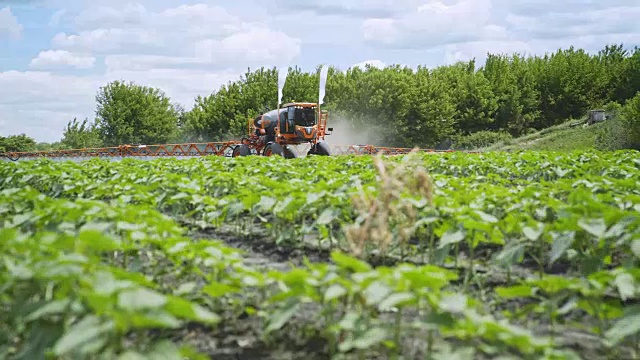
(276, 132)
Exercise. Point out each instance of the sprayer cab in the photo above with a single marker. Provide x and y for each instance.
(302, 122)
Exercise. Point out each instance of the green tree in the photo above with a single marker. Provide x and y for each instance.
(17, 143)
(432, 118)
(513, 84)
(217, 117)
(629, 83)
(132, 114)
(301, 86)
(630, 116)
(622, 128)
(45, 146)
(81, 135)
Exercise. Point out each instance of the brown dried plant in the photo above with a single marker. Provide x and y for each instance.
(389, 216)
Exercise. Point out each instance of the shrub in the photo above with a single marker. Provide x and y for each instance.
(480, 139)
(622, 129)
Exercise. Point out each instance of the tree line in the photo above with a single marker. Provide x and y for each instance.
(511, 94)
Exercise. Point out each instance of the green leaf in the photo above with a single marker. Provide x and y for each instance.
(334, 291)
(350, 263)
(370, 338)
(595, 227)
(531, 233)
(187, 310)
(455, 303)
(376, 292)
(266, 203)
(326, 217)
(396, 299)
(164, 350)
(626, 286)
(515, 292)
(280, 317)
(140, 299)
(20, 219)
(19, 271)
(451, 237)
(41, 337)
(561, 243)
(635, 247)
(88, 334)
(627, 326)
(54, 307)
(185, 288)
(511, 254)
(365, 340)
(487, 217)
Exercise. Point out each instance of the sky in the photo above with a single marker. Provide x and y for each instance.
(56, 54)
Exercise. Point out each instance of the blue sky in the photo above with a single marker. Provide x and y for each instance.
(55, 54)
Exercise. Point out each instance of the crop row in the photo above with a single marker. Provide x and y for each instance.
(580, 210)
(85, 279)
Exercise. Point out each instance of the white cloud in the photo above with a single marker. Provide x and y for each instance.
(587, 22)
(541, 7)
(131, 15)
(56, 58)
(435, 23)
(352, 8)
(183, 36)
(106, 41)
(9, 25)
(40, 104)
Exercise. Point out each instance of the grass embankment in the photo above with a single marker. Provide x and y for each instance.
(561, 137)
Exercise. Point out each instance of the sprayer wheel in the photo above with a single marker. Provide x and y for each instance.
(290, 152)
(321, 148)
(241, 150)
(273, 149)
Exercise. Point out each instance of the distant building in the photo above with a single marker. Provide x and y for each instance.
(596, 116)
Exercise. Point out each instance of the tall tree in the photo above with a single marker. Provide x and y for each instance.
(434, 112)
(132, 114)
(514, 87)
(81, 135)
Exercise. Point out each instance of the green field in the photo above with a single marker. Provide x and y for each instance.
(522, 255)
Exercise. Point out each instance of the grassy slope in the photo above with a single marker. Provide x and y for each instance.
(556, 138)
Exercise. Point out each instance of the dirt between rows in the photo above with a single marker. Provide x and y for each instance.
(242, 338)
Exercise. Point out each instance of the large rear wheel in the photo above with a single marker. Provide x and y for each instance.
(273, 149)
(290, 152)
(321, 148)
(241, 150)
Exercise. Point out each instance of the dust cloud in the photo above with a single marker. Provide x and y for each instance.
(348, 132)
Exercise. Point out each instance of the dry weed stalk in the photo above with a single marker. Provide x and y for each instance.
(390, 216)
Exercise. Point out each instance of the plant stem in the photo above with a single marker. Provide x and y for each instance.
(432, 251)
(398, 329)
